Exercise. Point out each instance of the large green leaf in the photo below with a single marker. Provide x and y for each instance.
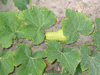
(6, 62)
(21, 4)
(4, 2)
(76, 23)
(10, 28)
(90, 62)
(32, 64)
(69, 57)
(96, 34)
(37, 19)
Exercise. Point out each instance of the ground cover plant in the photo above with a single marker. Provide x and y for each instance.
(30, 24)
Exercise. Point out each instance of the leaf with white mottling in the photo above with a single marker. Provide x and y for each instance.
(10, 28)
(90, 62)
(76, 23)
(69, 57)
(37, 19)
(6, 62)
(32, 64)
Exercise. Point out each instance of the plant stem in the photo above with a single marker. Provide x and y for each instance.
(84, 72)
(3, 50)
(76, 44)
(84, 44)
(17, 39)
(89, 44)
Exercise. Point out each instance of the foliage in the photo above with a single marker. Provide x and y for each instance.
(69, 57)
(34, 62)
(4, 1)
(6, 62)
(20, 4)
(76, 23)
(91, 62)
(73, 60)
(38, 19)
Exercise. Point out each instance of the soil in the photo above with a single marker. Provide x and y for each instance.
(90, 7)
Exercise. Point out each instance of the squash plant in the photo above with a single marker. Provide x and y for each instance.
(73, 60)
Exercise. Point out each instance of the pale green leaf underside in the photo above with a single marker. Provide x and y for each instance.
(31, 64)
(10, 27)
(90, 62)
(96, 34)
(6, 63)
(21, 4)
(76, 23)
(37, 19)
(69, 58)
(4, 2)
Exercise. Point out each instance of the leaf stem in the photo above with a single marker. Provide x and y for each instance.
(3, 50)
(84, 44)
(76, 44)
(89, 44)
(30, 45)
(84, 72)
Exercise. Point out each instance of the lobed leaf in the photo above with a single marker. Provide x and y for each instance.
(6, 62)
(76, 23)
(21, 4)
(37, 19)
(10, 28)
(90, 62)
(69, 57)
(32, 64)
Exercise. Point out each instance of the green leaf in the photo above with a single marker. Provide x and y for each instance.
(32, 64)
(6, 62)
(96, 34)
(64, 70)
(4, 2)
(78, 70)
(90, 62)
(37, 19)
(97, 20)
(69, 57)
(76, 23)
(10, 28)
(21, 4)
(72, 38)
